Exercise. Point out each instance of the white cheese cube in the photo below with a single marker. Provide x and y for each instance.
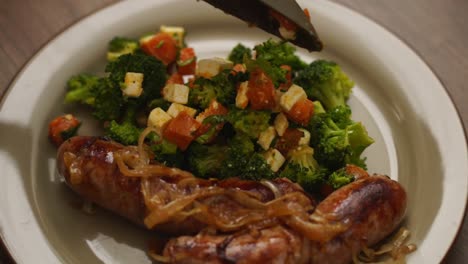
(176, 32)
(211, 67)
(241, 98)
(176, 108)
(274, 158)
(133, 84)
(292, 96)
(305, 139)
(287, 34)
(281, 123)
(176, 93)
(158, 119)
(266, 137)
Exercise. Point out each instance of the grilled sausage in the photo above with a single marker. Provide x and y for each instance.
(89, 168)
(370, 208)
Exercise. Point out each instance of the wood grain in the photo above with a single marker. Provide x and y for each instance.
(436, 29)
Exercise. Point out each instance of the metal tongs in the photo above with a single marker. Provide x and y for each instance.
(259, 13)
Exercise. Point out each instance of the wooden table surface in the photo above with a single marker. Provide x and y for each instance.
(436, 29)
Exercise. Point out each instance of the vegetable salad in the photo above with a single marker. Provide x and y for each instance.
(259, 113)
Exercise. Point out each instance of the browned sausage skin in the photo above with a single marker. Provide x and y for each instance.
(366, 211)
(89, 168)
(372, 207)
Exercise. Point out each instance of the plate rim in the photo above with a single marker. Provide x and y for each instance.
(23, 69)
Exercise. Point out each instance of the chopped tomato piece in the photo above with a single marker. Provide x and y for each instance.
(180, 130)
(175, 78)
(63, 128)
(283, 21)
(285, 86)
(289, 140)
(162, 46)
(187, 61)
(261, 92)
(307, 13)
(301, 112)
(214, 108)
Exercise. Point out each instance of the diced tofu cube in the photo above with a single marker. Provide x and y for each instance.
(266, 137)
(133, 84)
(274, 158)
(176, 93)
(281, 123)
(291, 96)
(176, 108)
(145, 39)
(177, 33)
(158, 119)
(287, 34)
(211, 67)
(241, 98)
(305, 139)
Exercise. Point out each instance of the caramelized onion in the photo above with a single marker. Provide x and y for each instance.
(149, 170)
(396, 248)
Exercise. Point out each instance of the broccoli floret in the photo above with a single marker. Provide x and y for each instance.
(237, 157)
(249, 122)
(206, 160)
(167, 153)
(153, 70)
(325, 81)
(119, 46)
(108, 104)
(339, 178)
(257, 168)
(279, 53)
(276, 74)
(220, 87)
(238, 53)
(81, 89)
(125, 132)
(303, 168)
(338, 140)
(318, 108)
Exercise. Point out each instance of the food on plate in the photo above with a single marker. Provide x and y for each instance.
(252, 157)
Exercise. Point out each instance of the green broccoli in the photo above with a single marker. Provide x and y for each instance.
(250, 122)
(167, 153)
(238, 53)
(220, 87)
(318, 108)
(257, 168)
(279, 53)
(240, 149)
(125, 132)
(153, 70)
(104, 99)
(276, 74)
(81, 89)
(303, 169)
(338, 140)
(242, 160)
(206, 160)
(339, 178)
(119, 46)
(325, 81)
(109, 102)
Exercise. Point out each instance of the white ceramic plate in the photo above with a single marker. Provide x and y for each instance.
(419, 137)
